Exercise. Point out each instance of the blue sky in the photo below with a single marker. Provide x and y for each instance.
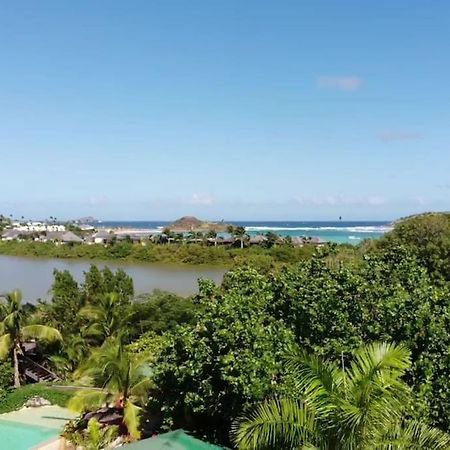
(224, 109)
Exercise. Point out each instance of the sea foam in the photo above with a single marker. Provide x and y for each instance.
(355, 229)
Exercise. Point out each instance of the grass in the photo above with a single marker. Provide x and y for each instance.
(14, 399)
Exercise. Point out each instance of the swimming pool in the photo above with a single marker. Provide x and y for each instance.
(19, 436)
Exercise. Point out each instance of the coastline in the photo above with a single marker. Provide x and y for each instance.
(34, 276)
(173, 255)
(125, 261)
(123, 231)
(341, 232)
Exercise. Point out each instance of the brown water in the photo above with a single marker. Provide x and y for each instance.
(34, 277)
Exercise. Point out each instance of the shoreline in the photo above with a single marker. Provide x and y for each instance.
(34, 276)
(132, 231)
(123, 261)
(182, 255)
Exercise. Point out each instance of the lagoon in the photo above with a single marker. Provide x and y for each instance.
(34, 276)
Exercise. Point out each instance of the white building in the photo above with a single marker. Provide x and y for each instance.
(38, 226)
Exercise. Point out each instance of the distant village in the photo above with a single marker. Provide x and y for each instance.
(185, 230)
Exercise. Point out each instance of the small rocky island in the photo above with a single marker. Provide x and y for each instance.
(190, 223)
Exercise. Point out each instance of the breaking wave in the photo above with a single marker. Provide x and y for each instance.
(355, 229)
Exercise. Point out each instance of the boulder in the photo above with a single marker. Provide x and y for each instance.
(35, 402)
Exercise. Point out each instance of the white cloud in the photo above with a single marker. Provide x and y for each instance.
(391, 136)
(375, 200)
(199, 199)
(420, 200)
(196, 199)
(342, 200)
(346, 83)
(98, 200)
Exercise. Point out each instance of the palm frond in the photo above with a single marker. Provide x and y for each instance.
(277, 423)
(375, 395)
(43, 332)
(90, 312)
(87, 399)
(412, 435)
(95, 436)
(316, 379)
(118, 372)
(141, 389)
(131, 418)
(5, 345)
(371, 360)
(14, 300)
(94, 330)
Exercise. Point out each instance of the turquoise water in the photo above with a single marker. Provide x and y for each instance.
(349, 232)
(18, 436)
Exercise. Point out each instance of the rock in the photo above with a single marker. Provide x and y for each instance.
(35, 402)
(190, 223)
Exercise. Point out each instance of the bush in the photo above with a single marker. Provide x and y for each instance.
(427, 236)
(6, 375)
(160, 312)
(175, 253)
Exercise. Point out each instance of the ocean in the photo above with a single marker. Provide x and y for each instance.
(338, 231)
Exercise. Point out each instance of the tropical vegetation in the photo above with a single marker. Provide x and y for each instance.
(363, 405)
(341, 350)
(116, 377)
(14, 330)
(178, 252)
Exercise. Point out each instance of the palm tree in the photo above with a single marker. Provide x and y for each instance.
(170, 235)
(361, 407)
(271, 239)
(123, 380)
(74, 350)
(212, 234)
(13, 330)
(192, 236)
(240, 234)
(105, 319)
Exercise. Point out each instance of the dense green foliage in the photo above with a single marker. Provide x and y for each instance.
(6, 377)
(69, 298)
(331, 309)
(225, 353)
(232, 356)
(174, 253)
(160, 312)
(14, 330)
(105, 301)
(123, 379)
(428, 237)
(362, 406)
(93, 437)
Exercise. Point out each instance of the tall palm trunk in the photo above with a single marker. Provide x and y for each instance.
(16, 367)
(242, 242)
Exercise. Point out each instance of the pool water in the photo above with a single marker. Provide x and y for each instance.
(18, 436)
